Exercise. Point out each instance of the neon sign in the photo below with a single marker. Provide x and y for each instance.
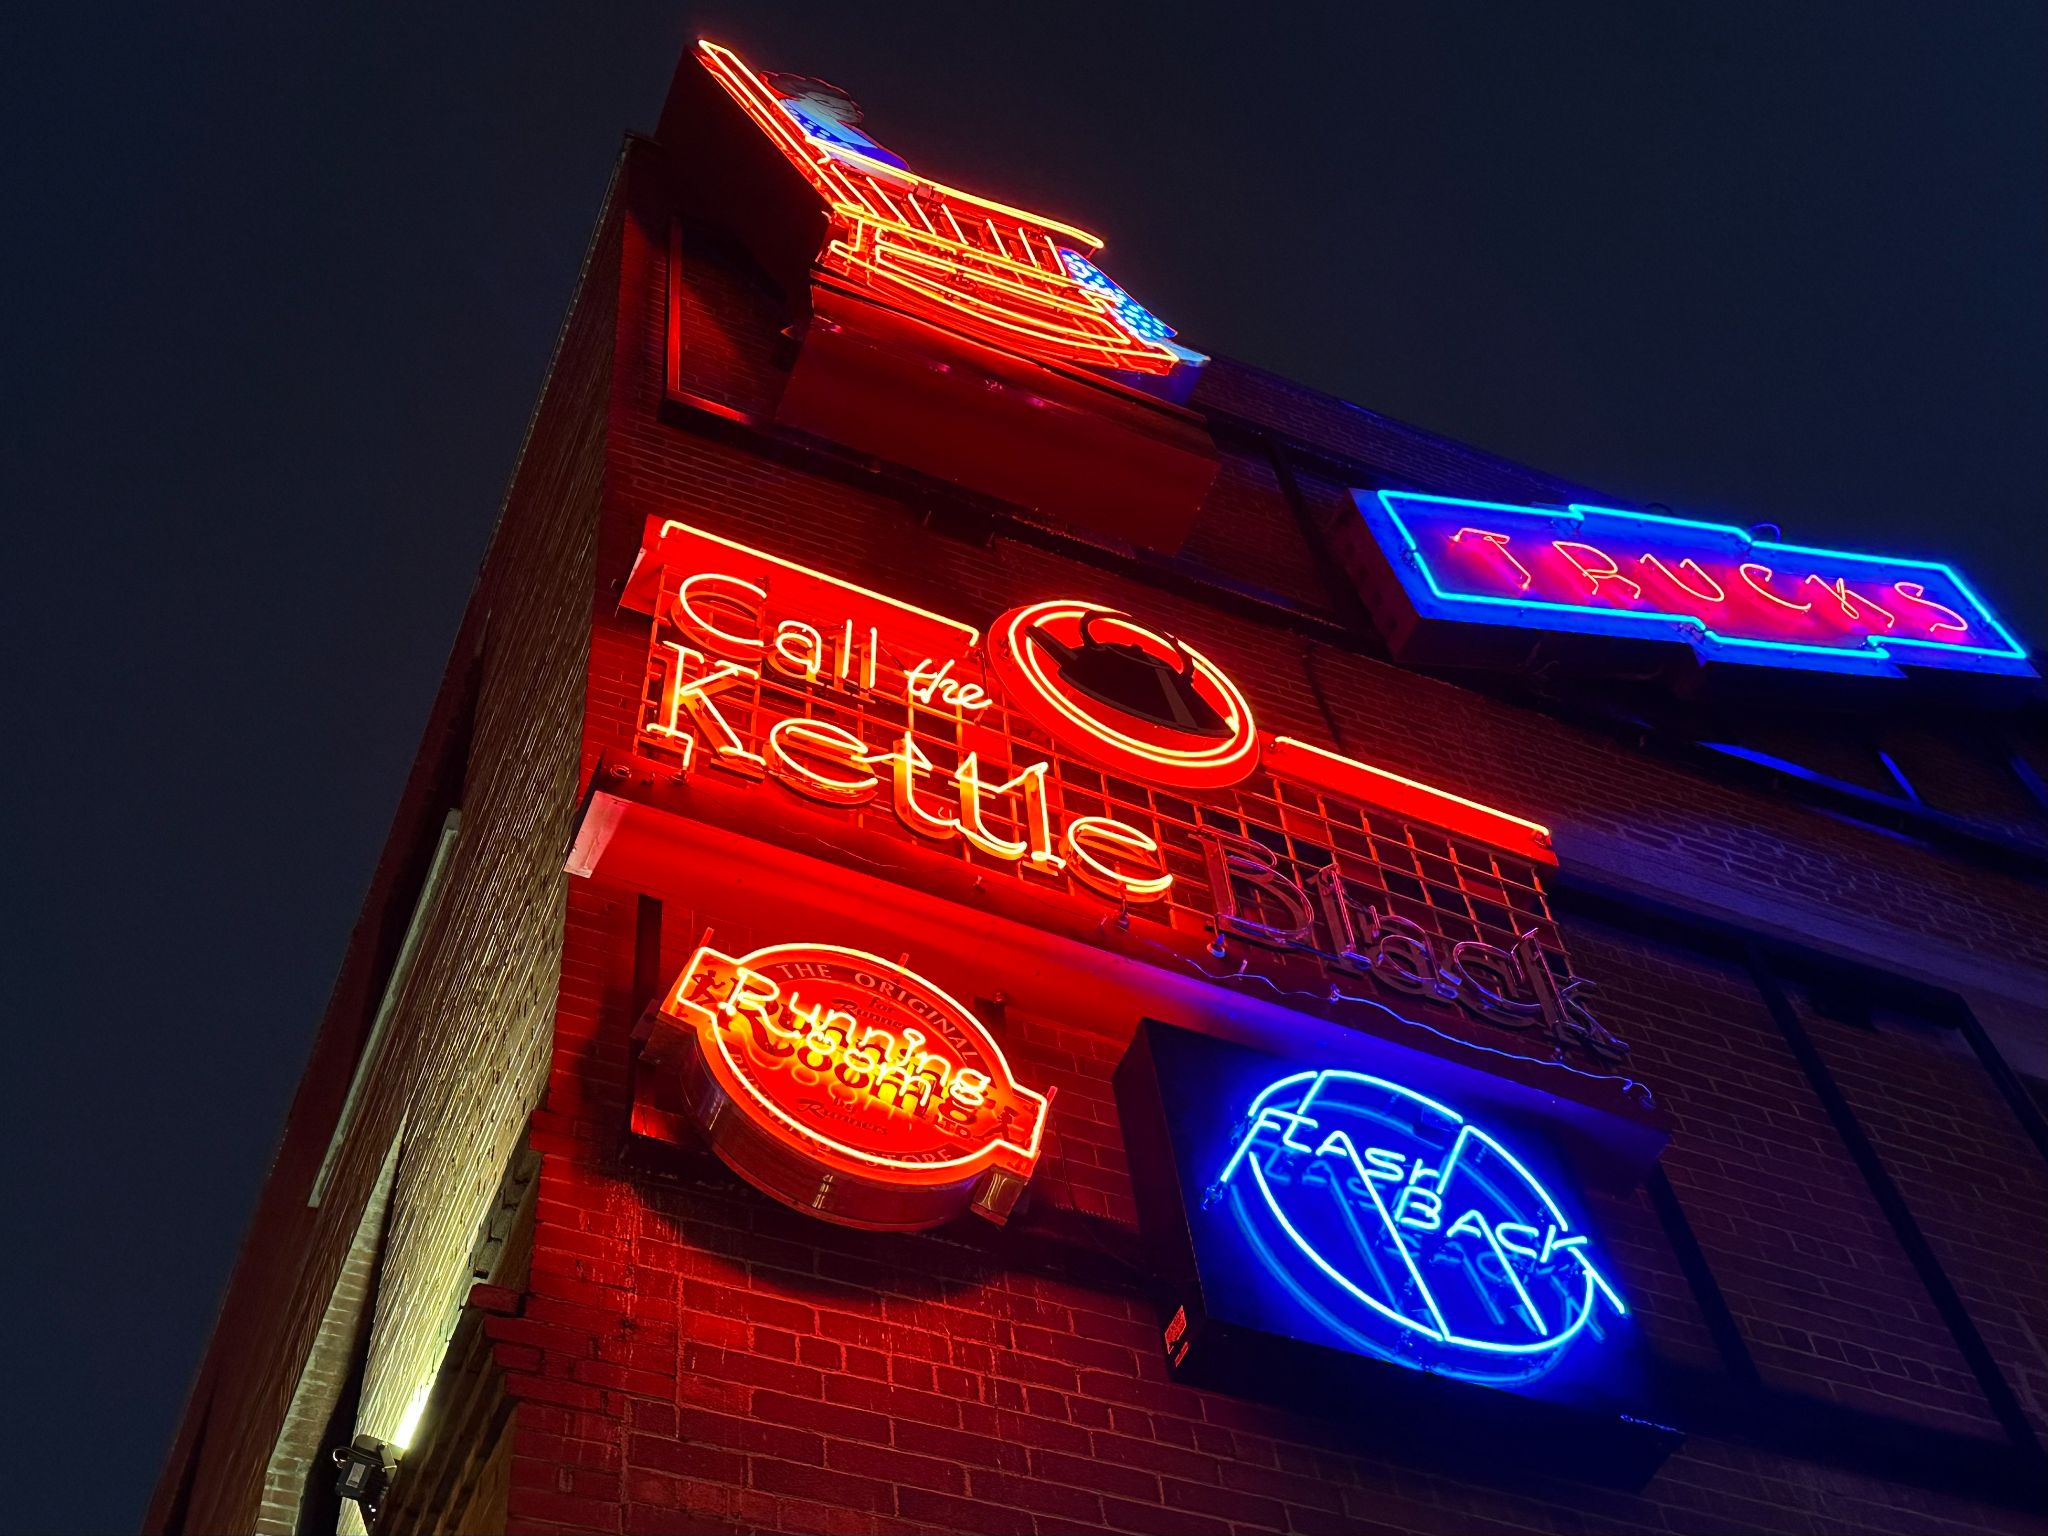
(1401, 1237)
(1411, 1232)
(1512, 989)
(1016, 279)
(849, 1086)
(767, 672)
(1729, 595)
(1131, 697)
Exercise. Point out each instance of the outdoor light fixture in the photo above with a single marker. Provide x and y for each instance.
(366, 1466)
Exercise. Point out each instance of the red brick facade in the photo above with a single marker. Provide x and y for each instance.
(687, 1355)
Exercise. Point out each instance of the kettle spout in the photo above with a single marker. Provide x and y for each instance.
(1059, 650)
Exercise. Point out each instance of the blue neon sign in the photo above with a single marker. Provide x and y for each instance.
(1729, 595)
(1372, 1231)
(1410, 1232)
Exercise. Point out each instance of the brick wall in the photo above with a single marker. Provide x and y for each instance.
(1407, 454)
(1975, 1185)
(301, 1449)
(795, 1377)
(1968, 778)
(690, 1354)
(473, 1033)
(687, 1355)
(1827, 1303)
(1248, 531)
(694, 1356)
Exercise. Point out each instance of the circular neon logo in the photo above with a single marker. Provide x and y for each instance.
(1412, 1233)
(1134, 699)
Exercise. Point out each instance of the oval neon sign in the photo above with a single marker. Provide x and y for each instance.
(848, 1086)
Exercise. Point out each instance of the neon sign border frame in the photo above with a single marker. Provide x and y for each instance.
(1873, 658)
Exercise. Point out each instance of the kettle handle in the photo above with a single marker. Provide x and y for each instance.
(1187, 660)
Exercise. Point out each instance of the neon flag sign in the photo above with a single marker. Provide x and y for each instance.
(1016, 279)
(1729, 595)
(1413, 1233)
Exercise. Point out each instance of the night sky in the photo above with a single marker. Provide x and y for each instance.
(282, 282)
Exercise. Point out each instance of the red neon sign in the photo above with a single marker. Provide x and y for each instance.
(840, 613)
(1303, 763)
(1144, 703)
(1016, 279)
(1152, 795)
(1137, 700)
(848, 1086)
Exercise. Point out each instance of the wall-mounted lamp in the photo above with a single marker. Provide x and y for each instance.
(366, 1465)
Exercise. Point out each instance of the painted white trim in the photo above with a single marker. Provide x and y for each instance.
(415, 928)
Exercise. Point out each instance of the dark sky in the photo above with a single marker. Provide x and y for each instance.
(282, 281)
